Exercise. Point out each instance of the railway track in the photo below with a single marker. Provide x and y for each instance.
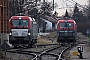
(18, 54)
(54, 53)
(32, 53)
(40, 52)
(43, 52)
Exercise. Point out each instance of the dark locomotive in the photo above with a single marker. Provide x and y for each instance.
(66, 31)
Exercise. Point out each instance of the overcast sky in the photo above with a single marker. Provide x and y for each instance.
(61, 4)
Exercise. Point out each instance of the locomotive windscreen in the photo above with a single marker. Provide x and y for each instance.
(66, 25)
(22, 23)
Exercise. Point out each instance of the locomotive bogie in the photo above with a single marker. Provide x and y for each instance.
(65, 39)
(19, 40)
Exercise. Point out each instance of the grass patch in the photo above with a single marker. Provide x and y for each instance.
(47, 39)
(52, 34)
(43, 41)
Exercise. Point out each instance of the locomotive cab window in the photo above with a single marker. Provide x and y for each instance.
(70, 25)
(23, 23)
(66, 25)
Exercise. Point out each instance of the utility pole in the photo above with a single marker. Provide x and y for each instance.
(88, 2)
(43, 0)
(36, 3)
(36, 7)
(44, 4)
(53, 5)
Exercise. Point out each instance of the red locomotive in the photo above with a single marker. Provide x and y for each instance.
(67, 31)
(23, 30)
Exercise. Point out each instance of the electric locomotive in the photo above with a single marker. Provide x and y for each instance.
(66, 31)
(23, 30)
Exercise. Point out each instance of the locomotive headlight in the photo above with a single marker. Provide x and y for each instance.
(10, 33)
(29, 34)
(65, 31)
(73, 34)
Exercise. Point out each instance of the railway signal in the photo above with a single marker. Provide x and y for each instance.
(87, 32)
(80, 50)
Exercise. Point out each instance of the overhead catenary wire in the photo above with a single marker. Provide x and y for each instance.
(65, 4)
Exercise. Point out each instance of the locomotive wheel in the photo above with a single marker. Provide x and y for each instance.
(71, 44)
(62, 44)
(16, 46)
(30, 45)
(59, 44)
